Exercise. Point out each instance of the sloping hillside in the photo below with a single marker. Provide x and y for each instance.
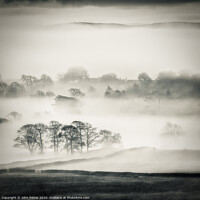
(133, 160)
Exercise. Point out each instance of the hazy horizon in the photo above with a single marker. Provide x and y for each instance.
(125, 39)
(37, 39)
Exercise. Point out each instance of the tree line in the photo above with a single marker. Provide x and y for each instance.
(15, 89)
(167, 84)
(76, 137)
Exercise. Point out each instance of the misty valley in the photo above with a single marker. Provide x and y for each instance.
(100, 99)
(78, 129)
(77, 114)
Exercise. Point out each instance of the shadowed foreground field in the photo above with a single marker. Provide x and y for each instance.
(99, 185)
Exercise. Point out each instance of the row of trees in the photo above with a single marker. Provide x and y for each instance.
(15, 89)
(31, 81)
(166, 84)
(11, 90)
(76, 137)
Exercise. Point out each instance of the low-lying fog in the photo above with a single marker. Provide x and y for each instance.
(37, 40)
(48, 40)
(140, 123)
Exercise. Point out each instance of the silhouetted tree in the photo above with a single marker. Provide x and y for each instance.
(41, 129)
(3, 88)
(105, 136)
(27, 138)
(75, 74)
(29, 80)
(46, 80)
(108, 138)
(71, 135)
(55, 130)
(15, 89)
(114, 93)
(74, 136)
(91, 135)
(172, 129)
(109, 77)
(80, 127)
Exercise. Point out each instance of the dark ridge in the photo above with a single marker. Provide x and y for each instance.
(100, 24)
(159, 24)
(103, 2)
(103, 173)
(3, 170)
(123, 174)
(21, 170)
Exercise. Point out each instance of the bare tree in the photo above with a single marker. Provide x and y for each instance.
(3, 88)
(109, 138)
(55, 130)
(46, 80)
(172, 129)
(75, 74)
(105, 136)
(91, 135)
(29, 80)
(15, 89)
(71, 135)
(27, 138)
(41, 129)
(80, 126)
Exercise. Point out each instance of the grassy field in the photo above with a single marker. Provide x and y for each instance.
(75, 185)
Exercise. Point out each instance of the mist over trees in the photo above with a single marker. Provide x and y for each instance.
(55, 134)
(75, 92)
(109, 77)
(26, 85)
(114, 93)
(166, 85)
(75, 74)
(171, 129)
(76, 137)
(27, 138)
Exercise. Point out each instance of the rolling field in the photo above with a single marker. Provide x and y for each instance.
(99, 185)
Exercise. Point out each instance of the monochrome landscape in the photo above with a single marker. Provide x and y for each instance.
(99, 99)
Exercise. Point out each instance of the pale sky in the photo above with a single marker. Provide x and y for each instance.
(37, 40)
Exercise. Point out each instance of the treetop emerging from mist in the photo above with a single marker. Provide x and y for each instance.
(75, 74)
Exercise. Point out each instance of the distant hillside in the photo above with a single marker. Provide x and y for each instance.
(103, 2)
(173, 24)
